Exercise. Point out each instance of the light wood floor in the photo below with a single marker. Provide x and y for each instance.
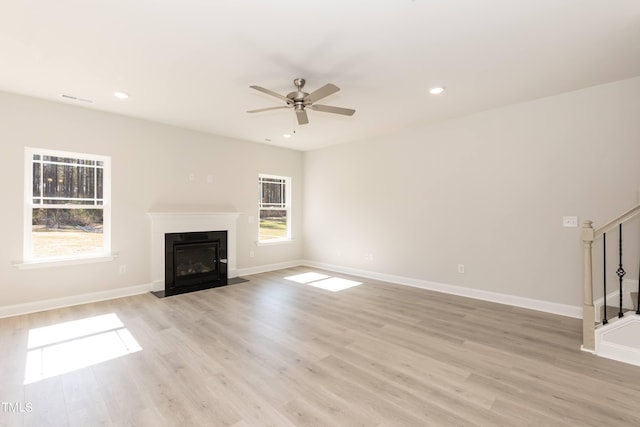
(275, 352)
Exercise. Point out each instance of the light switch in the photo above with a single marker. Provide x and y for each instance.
(569, 221)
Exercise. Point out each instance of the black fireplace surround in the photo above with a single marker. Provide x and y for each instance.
(194, 261)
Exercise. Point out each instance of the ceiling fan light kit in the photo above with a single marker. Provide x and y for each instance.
(300, 100)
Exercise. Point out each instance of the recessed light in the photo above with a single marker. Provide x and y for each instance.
(286, 135)
(436, 90)
(121, 95)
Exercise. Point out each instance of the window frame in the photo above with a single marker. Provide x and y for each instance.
(29, 205)
(287, 207)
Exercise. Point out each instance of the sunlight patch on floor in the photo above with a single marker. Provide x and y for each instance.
(323, 281)
(65, 347)
(307, 277)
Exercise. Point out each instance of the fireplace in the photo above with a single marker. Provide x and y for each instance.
(195, 261)
(183, 219)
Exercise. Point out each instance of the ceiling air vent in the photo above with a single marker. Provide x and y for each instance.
(75, 98)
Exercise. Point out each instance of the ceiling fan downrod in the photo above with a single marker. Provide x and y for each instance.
(298, 96)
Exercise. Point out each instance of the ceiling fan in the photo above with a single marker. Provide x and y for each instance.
(300, 100)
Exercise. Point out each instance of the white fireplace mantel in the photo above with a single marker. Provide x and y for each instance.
(185, 222)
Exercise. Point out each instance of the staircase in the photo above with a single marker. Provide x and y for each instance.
(615, 332)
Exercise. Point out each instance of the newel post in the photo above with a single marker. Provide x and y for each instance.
(588, 313)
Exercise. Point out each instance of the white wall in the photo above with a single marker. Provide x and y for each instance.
(488, 191)
(151, 164)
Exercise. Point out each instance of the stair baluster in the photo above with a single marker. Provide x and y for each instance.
(638, 295)
(604, 278)
(620, 271)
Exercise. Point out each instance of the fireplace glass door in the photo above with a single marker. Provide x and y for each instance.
(194, 261)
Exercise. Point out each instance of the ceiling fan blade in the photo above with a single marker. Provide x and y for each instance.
(330, 109)
(324, 91)
(270, 92)
(259, 110)
(301, 115)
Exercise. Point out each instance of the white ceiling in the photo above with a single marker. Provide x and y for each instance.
(190, 63)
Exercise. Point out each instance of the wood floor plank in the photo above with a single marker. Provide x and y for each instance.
(272, 351)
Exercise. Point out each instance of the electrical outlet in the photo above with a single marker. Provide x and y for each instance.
(123, 269)
(251, 254)
(192, 176)
(570, 221)
(461, 268)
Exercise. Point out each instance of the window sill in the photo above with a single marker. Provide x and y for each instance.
(61, 262)
(274, 242)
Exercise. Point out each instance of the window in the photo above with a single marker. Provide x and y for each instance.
(275, 208)
(67, 205)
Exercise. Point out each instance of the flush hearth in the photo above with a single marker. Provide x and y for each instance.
(195, 261)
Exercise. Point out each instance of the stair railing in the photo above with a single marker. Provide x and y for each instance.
(589, 234)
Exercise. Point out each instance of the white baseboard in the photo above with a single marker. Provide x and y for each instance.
(532, 304)
(157, 285)
(545, 306)
(32, 307)
(268, 267)
(586, 350)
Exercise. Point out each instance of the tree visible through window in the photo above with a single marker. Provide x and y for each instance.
(67, 211)
(275, 207)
